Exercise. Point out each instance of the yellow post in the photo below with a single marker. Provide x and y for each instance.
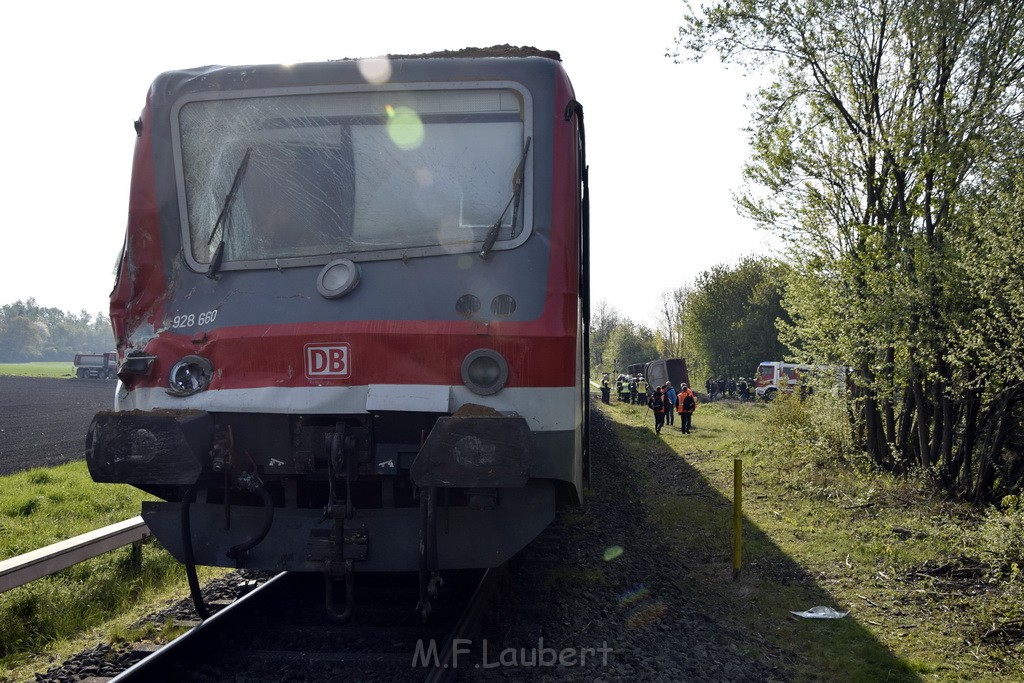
(737, 517)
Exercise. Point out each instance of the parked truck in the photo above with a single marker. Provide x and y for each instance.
(96, 365)
(775, 376)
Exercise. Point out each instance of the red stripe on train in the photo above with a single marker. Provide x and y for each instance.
(386, 352)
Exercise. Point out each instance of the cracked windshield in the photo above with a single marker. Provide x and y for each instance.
(307, 175)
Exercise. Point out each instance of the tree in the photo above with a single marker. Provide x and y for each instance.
(29, 332)
(631, 343)
(988, 360)
(870, 147)
(731, 316)
(671, 321)
(604, 319)
(22, 338)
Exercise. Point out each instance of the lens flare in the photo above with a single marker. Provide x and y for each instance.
(405, 127)
(645, 615)
(634, 595)
(612, 553)
(375, 70)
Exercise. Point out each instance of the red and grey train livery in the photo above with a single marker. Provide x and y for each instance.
(351, 313)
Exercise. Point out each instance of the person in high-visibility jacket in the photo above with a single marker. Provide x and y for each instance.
(686, 403)
(641, 391)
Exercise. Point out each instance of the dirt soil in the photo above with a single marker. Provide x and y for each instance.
(43, 422)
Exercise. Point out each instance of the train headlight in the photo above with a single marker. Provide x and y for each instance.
(484, 371)
(190, 375)
(136, 363)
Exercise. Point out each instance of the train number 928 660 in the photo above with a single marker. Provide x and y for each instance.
(191, 319)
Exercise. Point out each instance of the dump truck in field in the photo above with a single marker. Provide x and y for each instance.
(96, 365)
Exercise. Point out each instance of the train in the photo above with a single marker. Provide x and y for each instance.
(352, 314)
(661, 370)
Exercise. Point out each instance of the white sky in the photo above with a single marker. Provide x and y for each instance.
(664, 141)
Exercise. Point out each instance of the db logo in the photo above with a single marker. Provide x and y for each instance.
(327, 360)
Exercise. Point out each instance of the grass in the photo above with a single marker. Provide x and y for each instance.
(50, 369)
(49, 504)
(45, 621)
(933, 587)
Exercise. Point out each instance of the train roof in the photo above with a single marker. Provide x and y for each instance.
(468, 63)
(493, 51)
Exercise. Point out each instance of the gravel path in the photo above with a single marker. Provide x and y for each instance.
(620, 589)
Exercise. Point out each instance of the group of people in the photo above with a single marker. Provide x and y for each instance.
(729, 388)
(665, 402)
(632, 389)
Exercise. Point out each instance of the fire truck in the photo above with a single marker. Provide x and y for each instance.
(775, 376)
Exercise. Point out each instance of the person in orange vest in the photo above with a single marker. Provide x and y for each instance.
(686, 403)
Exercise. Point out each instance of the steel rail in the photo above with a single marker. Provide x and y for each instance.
(467, 627)
(158, 665)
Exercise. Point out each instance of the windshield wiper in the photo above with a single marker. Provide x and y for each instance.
(517, 193)
(222, 217)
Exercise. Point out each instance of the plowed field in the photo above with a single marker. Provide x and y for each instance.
(43, 422)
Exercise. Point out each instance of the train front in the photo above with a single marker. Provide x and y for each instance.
(348, 313)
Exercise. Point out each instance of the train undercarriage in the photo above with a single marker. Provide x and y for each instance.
(332, 494)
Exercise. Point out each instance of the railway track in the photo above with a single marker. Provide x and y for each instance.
(281, 631)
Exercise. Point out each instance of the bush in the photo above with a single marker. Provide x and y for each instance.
(814, 427)
(1001, 533)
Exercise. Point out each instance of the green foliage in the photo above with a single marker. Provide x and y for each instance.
(731, 316)
(29, 332)
(629, 343)
(673, 339)
(603, 321)
(617, 342)
(1001, 534)
(815, 429)
(988, 271)
(894, 178)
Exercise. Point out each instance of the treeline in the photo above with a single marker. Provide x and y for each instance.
(888, 153)
(29, 332)
(723, 324)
